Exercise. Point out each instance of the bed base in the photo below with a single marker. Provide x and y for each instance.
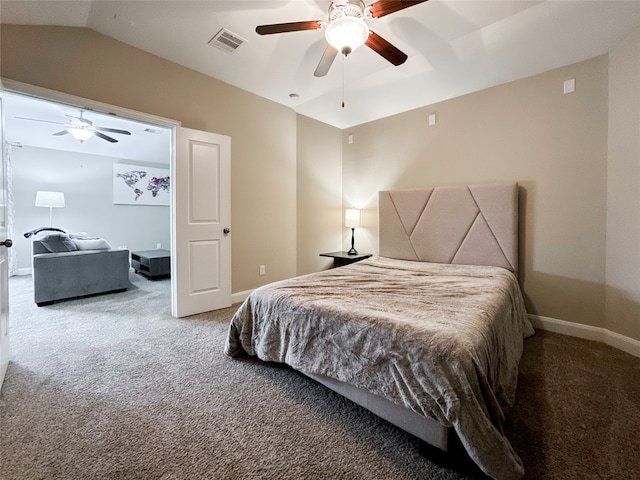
(426, 429)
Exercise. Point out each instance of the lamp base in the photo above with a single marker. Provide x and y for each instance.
(353, 251)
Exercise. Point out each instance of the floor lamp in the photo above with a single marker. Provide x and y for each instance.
(51, 200)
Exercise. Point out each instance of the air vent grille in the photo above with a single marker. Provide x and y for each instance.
(226, 40)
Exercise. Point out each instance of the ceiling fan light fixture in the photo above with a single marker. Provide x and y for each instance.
(80, 134)
(345, 34)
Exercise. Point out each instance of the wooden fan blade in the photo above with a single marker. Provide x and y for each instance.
(385, 7)
(113, 130)
(104, 137)
(288, 27)
(326, 61)
(378, 44)
(63, 132)
(38, 120)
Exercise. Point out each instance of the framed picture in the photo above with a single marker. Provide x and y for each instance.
(138, 185)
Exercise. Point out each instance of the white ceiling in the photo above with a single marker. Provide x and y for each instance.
(455, 47)
(147, 143)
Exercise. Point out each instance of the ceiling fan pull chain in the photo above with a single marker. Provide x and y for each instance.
(343, 67)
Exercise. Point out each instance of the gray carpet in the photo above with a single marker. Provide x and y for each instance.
(113, 387)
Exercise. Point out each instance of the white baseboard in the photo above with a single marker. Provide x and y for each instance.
(626, 344)
(240, 297)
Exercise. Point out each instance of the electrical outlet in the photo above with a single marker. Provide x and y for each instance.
(158, 245)
(262, 270)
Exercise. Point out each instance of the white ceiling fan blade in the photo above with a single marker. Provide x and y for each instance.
(326, 61)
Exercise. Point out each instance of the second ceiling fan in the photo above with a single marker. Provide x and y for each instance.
(347, 30)
(82, 128)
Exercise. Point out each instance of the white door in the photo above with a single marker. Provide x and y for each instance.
(4, 260)
(201, 211)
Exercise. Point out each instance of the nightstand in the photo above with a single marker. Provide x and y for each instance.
(340, 259)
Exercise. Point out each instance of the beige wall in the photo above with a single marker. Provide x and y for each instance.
(623, 191)
(82, 62)
(528, 131)
(319, 199)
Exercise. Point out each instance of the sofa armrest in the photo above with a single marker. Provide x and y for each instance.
(58, 276)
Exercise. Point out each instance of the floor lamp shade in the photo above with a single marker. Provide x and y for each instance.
(51, 200)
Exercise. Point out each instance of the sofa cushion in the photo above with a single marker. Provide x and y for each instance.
(56, 242)
(92, 244)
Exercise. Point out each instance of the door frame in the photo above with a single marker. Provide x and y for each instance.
(14, 86)
(5, 339)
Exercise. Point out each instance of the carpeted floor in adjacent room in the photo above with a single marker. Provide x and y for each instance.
(113, 387)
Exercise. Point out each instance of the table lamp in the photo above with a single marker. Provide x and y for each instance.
(352, 220)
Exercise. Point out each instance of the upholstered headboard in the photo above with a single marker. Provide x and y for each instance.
(470, 224)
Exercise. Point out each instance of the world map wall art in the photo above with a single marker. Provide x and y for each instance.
(138, 185)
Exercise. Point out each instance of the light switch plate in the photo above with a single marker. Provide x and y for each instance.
(570, 85)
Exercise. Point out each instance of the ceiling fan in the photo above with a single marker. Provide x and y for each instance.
(82, 128)
(347, 30)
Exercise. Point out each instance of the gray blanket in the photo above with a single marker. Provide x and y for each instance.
(442, 340)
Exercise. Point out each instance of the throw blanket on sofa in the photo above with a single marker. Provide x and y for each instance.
(442, 340)
(42, 229)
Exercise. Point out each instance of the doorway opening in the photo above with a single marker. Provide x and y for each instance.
(45, 156)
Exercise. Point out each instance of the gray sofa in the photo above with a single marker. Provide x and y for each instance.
(65, 267)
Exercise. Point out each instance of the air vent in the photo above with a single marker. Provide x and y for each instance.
(226, 40)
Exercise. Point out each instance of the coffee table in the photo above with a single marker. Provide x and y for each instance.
(152, 263)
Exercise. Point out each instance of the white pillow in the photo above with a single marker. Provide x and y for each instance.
(79, 235)
(92, 244)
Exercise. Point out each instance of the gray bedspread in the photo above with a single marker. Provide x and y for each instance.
(442, 340)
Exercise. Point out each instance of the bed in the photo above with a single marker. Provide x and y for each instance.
(427, 335)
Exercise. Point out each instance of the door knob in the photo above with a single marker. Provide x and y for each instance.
(7, 243)
(226, 231)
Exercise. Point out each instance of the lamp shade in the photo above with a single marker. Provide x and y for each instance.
(81, 134)
(50, 199)
(345, 34)
(352, 218)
